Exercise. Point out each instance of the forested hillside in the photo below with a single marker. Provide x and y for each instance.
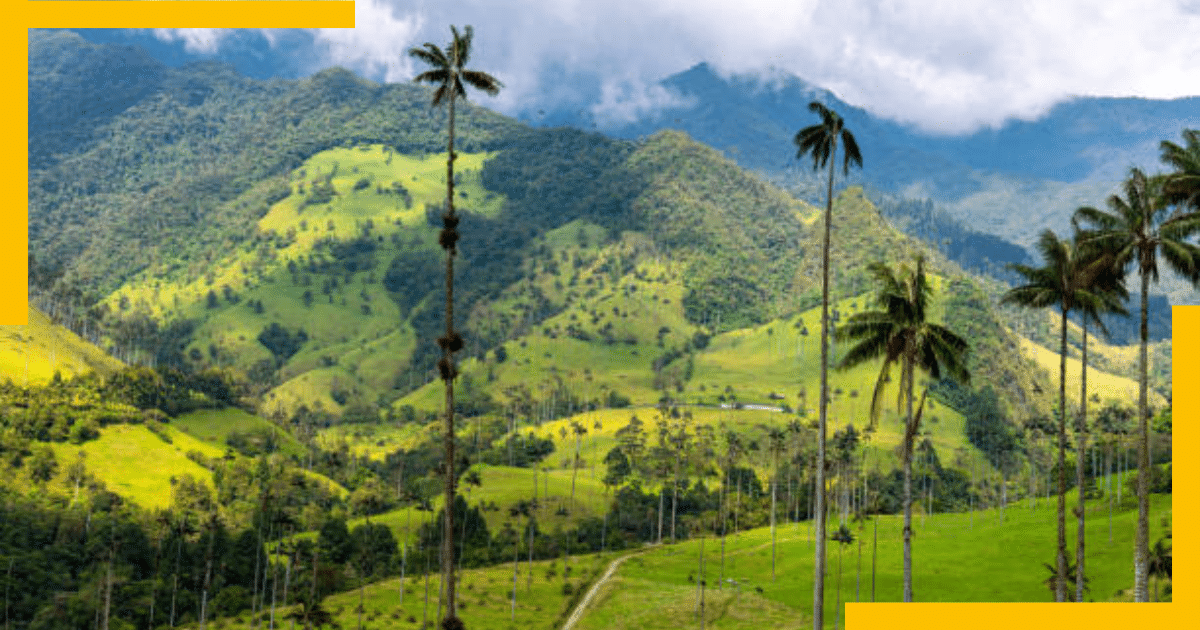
(260, 262)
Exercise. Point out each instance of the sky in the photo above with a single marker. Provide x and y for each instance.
(947, 67)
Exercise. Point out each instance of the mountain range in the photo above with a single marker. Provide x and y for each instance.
(192, 216)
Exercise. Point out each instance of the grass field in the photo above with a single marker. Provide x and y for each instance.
(957, 558)
(32, 353)
(981, 557)
(1106, 386)
(484, 598)
(137, 464)
(214, 426)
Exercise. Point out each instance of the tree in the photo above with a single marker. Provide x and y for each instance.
(821, 141)
(1070, 280)
(449, 74)
(777, 442)
(1160, 564)
(1108, 287)
(579, 431)
(1136, 230)
(843, 537)
(901, 334)
(1182, 187)
(1056, 578)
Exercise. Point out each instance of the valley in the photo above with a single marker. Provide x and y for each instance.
(228, 396)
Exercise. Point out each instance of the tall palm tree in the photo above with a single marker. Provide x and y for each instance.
(1107, 284)
(1068, 281)
(1136, 230)
(901, 334)
(821, 141)
(449, 73)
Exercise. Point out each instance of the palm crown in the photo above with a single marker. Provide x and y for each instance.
(1183, 186)
(448, 68)
(1138, 228)
(820, 140)
(1074, 278)
(900, 333)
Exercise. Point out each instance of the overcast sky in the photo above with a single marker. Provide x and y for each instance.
(945, 66)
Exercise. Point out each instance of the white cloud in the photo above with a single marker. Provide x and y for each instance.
(945, 65)
(376, 44)
(195, 40)
(623, 102)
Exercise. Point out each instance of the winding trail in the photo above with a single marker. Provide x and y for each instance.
(582, 606)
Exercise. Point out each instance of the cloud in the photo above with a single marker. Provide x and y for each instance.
(947, 66)
(195, 40)
(375, 46)
(625, 102)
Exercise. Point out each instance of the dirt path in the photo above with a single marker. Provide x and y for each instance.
(581, 607)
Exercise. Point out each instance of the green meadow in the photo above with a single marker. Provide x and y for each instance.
(986, 556)
(34, 352)
(138, 464)
(215, 426)
(545, 596)
(958, 557)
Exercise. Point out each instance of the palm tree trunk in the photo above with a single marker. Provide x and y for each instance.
(858, 573)
(1079, 465)
(724, 525)
(1060, 588)
(674, 495)
(874, 555)
(662, 493)
(425, 613)
(153, 587)
(909, 436)
(819, 487)
(447, 355)
(1108, 490)
(773, 486)
(175, 575)
(837, 608)
(207, 575)
(516, 564)
(1141, 557)
(287, 576)
(312, 592)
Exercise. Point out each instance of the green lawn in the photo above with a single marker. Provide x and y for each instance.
(957, 558)
(214, 426)
(485, 598)
(137, 464)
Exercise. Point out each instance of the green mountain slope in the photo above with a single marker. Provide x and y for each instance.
(34, 352)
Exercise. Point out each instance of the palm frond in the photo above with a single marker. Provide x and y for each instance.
(431, 55)
(850, 152)
(482, 81)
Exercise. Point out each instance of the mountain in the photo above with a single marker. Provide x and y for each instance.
(281, 230)
(1075, 154)
(35, 352)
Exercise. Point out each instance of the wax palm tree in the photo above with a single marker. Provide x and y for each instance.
(776, 439)
(1183, 185)
(1098, 276)
(1068, 281)
(1136, 230)
(901, 334)
(449, 73)
(821, 141)
(843, 537)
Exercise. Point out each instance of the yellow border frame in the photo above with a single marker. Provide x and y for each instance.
(13, 260)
